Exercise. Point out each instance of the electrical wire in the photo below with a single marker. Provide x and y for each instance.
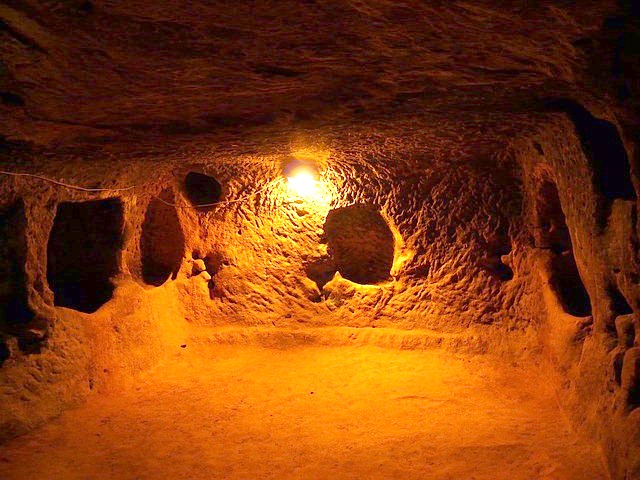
(66, 185)
(94, 190)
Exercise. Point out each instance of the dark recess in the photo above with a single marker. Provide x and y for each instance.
(619, 304)
(360, 247)
(5, 354)
(617, 367)
(498, 246)
(275, 71)
(567, 284)
(161, 242)
(86, 7)
(83, 251)
(633, 393)
(214, 261)
(538, 148)
(15, 314)
(202, 189)
(11, 99)
(552, 233)
(606, 153)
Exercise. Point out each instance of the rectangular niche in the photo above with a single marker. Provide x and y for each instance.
(83, 253)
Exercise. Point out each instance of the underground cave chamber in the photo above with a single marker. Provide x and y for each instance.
(306, 240)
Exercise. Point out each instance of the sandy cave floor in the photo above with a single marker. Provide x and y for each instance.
(308, 412)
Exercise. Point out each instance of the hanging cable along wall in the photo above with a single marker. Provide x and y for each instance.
(269, 185)
(66, 185)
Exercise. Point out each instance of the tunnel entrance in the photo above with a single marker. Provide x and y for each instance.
(360, 246)
(162, 241)
(15, 313)
(83, 251)
(202, 189)
(552, 233)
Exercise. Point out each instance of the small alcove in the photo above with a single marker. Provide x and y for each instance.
(162, 241)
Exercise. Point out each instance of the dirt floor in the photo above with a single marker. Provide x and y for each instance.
(244, 412)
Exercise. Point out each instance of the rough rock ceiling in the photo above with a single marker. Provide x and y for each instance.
(470, 73)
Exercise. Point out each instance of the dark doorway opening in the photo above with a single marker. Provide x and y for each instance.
(83, 252)
(552, 233)
(360, 246)
(15, 314)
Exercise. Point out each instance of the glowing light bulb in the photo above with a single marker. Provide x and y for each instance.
(303, 183)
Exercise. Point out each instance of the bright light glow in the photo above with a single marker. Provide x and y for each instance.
(303, 183)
